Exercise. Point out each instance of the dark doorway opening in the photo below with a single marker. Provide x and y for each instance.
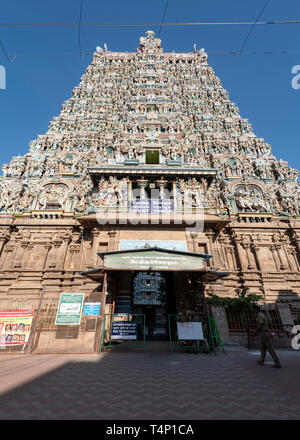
(153, 295)
(152, 157)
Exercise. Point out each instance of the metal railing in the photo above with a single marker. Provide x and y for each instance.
(45, 336)
(276, 332)
(240, 320)
(123, 338)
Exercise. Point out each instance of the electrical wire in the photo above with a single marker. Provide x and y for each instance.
(250, 32)
(99, 24)
(4, 51)
(229, 52)
(163, 18)
(79, 30)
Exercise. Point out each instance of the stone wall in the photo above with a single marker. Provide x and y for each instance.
(37, 254)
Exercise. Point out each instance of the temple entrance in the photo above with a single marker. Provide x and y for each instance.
(145, 293)
(153, 295)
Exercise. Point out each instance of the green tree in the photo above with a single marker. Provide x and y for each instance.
(243, 300)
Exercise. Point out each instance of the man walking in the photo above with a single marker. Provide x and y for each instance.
(266, 345)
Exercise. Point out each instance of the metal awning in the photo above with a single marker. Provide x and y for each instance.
(157, 260)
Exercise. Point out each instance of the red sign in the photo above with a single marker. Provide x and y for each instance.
(15, 326)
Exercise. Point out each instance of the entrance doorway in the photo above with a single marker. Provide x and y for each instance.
(149, 294)
(153, 296)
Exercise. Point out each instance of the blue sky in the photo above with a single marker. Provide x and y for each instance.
(260, 85)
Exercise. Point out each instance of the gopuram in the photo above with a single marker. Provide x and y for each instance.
(148, 134)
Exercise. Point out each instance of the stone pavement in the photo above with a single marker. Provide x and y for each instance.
(157, 385)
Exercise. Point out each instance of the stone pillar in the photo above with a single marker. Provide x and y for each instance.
(275, 256)
(47, 248)
(231, 255)
(75, 260)
(285, 314)
(112, 245)
(4, 237)
(221, 320)
(220, 251)
(237, 239)
(2, 243)
(293, 259)
(296, 237)
(215, 260)
(189, 242)
(57, 254)
(8, 252)
(250, 264)
(142, 184)
(162, 185)
(283, 263)
(95, 247)
(67, 237)
(18, 260)
(257, 249)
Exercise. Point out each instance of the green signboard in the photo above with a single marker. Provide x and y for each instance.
(69, 309)
(153, 260)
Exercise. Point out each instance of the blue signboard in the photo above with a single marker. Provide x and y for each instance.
(123, 330)
(91, 309)
(153, 206)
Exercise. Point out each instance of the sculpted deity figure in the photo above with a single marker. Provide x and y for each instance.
(113, 191)
(131, 153)
(53, 195)
(192, 192)
(250, 199)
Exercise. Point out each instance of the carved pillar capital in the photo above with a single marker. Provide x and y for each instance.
(247, 246)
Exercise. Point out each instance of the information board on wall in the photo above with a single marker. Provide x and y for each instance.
(15, 326)
(123, 330)
(91, 309)
(152, 206)
(189, 331)
(69, 308)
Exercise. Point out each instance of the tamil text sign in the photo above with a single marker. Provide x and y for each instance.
(153, 260)
(123, 330)
(69, 309)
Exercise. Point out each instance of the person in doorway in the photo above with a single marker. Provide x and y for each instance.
(187, 315)
(150, 329)
(196, 317)
(182, 316)
(266, 344)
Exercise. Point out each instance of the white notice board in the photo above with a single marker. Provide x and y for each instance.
(190, 331)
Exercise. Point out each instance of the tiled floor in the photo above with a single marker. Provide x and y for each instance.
(156, 385)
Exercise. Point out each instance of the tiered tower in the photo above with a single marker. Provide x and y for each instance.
(146, 121)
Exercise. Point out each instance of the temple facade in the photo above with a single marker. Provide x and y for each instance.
(148, 151)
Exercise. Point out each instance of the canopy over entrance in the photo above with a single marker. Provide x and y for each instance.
(155, 259)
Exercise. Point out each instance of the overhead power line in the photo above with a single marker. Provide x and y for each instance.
(163, 18)
(228, 52)
(99, 24)
(250, 32)
(79, 30)
(5, 53)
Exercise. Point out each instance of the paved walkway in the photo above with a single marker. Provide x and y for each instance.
(152, 386)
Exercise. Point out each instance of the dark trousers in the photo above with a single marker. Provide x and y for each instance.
(266, 345)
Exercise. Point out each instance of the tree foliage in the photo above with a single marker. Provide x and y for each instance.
(242, 300)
